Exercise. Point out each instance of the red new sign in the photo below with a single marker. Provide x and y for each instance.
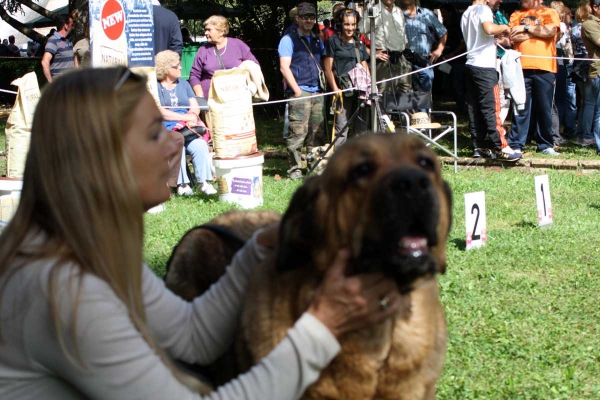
(113, 19)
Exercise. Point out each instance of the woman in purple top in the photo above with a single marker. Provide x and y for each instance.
(220, 52)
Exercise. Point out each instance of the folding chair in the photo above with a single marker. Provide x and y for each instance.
(401, 103)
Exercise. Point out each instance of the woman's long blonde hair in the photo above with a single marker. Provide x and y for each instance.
(80, 192)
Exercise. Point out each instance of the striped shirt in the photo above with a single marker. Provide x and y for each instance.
(423, 30)
(62, 54)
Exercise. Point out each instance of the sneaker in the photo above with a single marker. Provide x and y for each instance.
(585, 142)
(207, 188)
(519, 151)
(508, 154)
(550, 152)
(296, 174)
(482, 152)
(184, 190)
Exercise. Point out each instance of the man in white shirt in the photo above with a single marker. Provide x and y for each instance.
(481, 77)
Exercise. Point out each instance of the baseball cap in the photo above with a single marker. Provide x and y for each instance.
(306, 8)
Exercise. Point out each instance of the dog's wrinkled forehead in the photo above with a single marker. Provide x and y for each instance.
(374, 154)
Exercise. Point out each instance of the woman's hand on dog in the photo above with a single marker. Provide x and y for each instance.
(347, 303)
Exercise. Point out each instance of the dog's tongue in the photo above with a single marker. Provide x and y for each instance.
(413, 246)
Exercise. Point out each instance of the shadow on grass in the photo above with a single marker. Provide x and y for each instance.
(274, 166)
(525, 224)
(460, 244)
(595, 206)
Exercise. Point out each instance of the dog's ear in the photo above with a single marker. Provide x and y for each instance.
(299, 233)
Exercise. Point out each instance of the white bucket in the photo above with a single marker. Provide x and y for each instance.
(10, 193)
(239, 179)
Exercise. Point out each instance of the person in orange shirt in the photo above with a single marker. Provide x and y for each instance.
(533, 31)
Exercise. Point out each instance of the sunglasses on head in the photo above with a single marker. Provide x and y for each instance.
(307, 17)
(124, 77)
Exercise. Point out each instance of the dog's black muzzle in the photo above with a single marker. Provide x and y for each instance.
(405, 210)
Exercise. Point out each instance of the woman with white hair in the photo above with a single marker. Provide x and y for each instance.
(181, 110)
(221, 52)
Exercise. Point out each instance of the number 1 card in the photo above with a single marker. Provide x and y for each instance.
(475, 219)
(544, 204)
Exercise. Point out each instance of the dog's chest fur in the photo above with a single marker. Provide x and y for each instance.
(398, 359)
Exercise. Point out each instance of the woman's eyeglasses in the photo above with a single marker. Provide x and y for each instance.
(307, 17)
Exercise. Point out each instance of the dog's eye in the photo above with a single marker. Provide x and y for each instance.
(362, 170)
(426, 163)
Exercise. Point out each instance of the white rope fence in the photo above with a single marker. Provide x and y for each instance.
(402, 76)
(264, 103)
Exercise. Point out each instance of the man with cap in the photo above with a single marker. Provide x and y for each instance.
(300, 54)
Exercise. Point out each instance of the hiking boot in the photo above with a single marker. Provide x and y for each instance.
(508, 154)
(550, 152)
(296, 174)
(481, 152)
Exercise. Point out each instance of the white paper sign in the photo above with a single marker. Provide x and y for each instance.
(544, 204)
(475, 219)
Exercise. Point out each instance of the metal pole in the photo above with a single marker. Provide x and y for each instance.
(372, 15)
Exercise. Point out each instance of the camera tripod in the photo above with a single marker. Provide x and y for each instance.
(377, 120)
(374, 98)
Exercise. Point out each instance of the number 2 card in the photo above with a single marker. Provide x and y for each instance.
(475, 219)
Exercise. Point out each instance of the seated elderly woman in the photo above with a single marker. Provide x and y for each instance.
(82, 317)
(220, 52)
(180, 109)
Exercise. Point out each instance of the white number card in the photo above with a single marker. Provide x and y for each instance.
(544, 204)
(475, 219)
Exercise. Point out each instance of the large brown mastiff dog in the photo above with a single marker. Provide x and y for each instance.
(382, 196)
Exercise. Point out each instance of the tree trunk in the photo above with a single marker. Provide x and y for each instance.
(21, 27)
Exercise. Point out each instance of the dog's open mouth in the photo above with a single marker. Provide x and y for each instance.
(413, 246)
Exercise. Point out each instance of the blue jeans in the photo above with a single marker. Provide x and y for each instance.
(424, 79)
(539, 89)
(569, 115)
(589, 117)
(596, 95)
(198, 149)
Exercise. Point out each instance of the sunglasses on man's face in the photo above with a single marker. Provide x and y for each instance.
(307, 17)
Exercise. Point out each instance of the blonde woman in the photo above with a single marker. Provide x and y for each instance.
(221, 52)
(182, 110)
(82, 317)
